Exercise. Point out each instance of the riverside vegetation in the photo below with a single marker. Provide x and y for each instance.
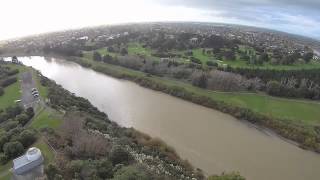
(89, 145)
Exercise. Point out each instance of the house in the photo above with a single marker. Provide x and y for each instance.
(15, 60)
(28, 162)
(194, 40)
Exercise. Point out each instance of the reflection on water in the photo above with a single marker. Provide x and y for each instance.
(210, 140)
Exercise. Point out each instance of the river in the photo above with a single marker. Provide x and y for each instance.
(209, 139)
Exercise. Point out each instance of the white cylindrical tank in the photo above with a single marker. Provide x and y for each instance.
(33, 154)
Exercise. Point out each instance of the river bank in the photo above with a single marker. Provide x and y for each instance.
(306, 137)
(211, 140)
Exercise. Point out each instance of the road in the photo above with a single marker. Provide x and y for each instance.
(27, 83)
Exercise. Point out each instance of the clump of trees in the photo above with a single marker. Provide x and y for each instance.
(291, 87)
(15, 139)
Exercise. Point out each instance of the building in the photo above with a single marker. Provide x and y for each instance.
(27, 162)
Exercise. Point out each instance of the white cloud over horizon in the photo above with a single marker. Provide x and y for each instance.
(21, 17)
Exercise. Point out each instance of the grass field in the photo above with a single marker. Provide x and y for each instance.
(45, 150)
(11, 93)
(46, 118)
(295, 110)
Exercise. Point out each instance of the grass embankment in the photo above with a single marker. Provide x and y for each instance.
(46, 118)
(293, 119)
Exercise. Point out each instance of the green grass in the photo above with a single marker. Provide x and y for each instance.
(5, 174)
(11, 93)
(197, 53)
(136, 49)
(43, 90)
(46, 118)
(295, 110)
(46, 151)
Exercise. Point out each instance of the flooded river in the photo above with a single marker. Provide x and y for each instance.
(209, 139)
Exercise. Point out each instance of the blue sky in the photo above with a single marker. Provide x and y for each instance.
(27, 17)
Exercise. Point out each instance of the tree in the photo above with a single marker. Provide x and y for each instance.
(199, 79)
(51, 171)
(264, 57)
(228, 176)
(97, 56)
(30, 112)
(308, 56)
(28, 137)
(1, 91)
(13, 149)
(123, 51)
(10, 125)
(3, 158)
(22, 118)
(105, 169)
(119, 156)
(107, 58)
(273, 87)
(130, 173)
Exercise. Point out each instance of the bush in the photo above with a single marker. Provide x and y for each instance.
(1, 91)
(30, 112)
(51, 171)
(9, 81)
(3, 139)
(230, 176)
(10, 125)
(195, 60)
(3, 158)
(97, 56)
(13, 149)
(105, 169)
(212, 63)
(130, 173)
(22, 118)
(119, 156)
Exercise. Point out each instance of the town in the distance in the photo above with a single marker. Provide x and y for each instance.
(64, 113)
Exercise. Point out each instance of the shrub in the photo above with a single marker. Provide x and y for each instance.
(3, 158)
(105, 169)
(97, 56)
(130, 173)
(22, 118)
(10, 125)
(119, 156)
(229, 176)
(1, 91)
(9, 81)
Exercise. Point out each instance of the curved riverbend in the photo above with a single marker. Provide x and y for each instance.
(209, 139)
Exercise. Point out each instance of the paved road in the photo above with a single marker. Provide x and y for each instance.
(27, 84)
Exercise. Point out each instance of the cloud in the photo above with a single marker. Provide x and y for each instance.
(294, 16)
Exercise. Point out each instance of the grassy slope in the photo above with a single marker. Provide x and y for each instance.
(46, 118)
(295, 110)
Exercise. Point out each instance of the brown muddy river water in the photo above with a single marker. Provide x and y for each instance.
(209, 139)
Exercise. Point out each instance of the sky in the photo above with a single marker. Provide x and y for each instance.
(26, 17)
